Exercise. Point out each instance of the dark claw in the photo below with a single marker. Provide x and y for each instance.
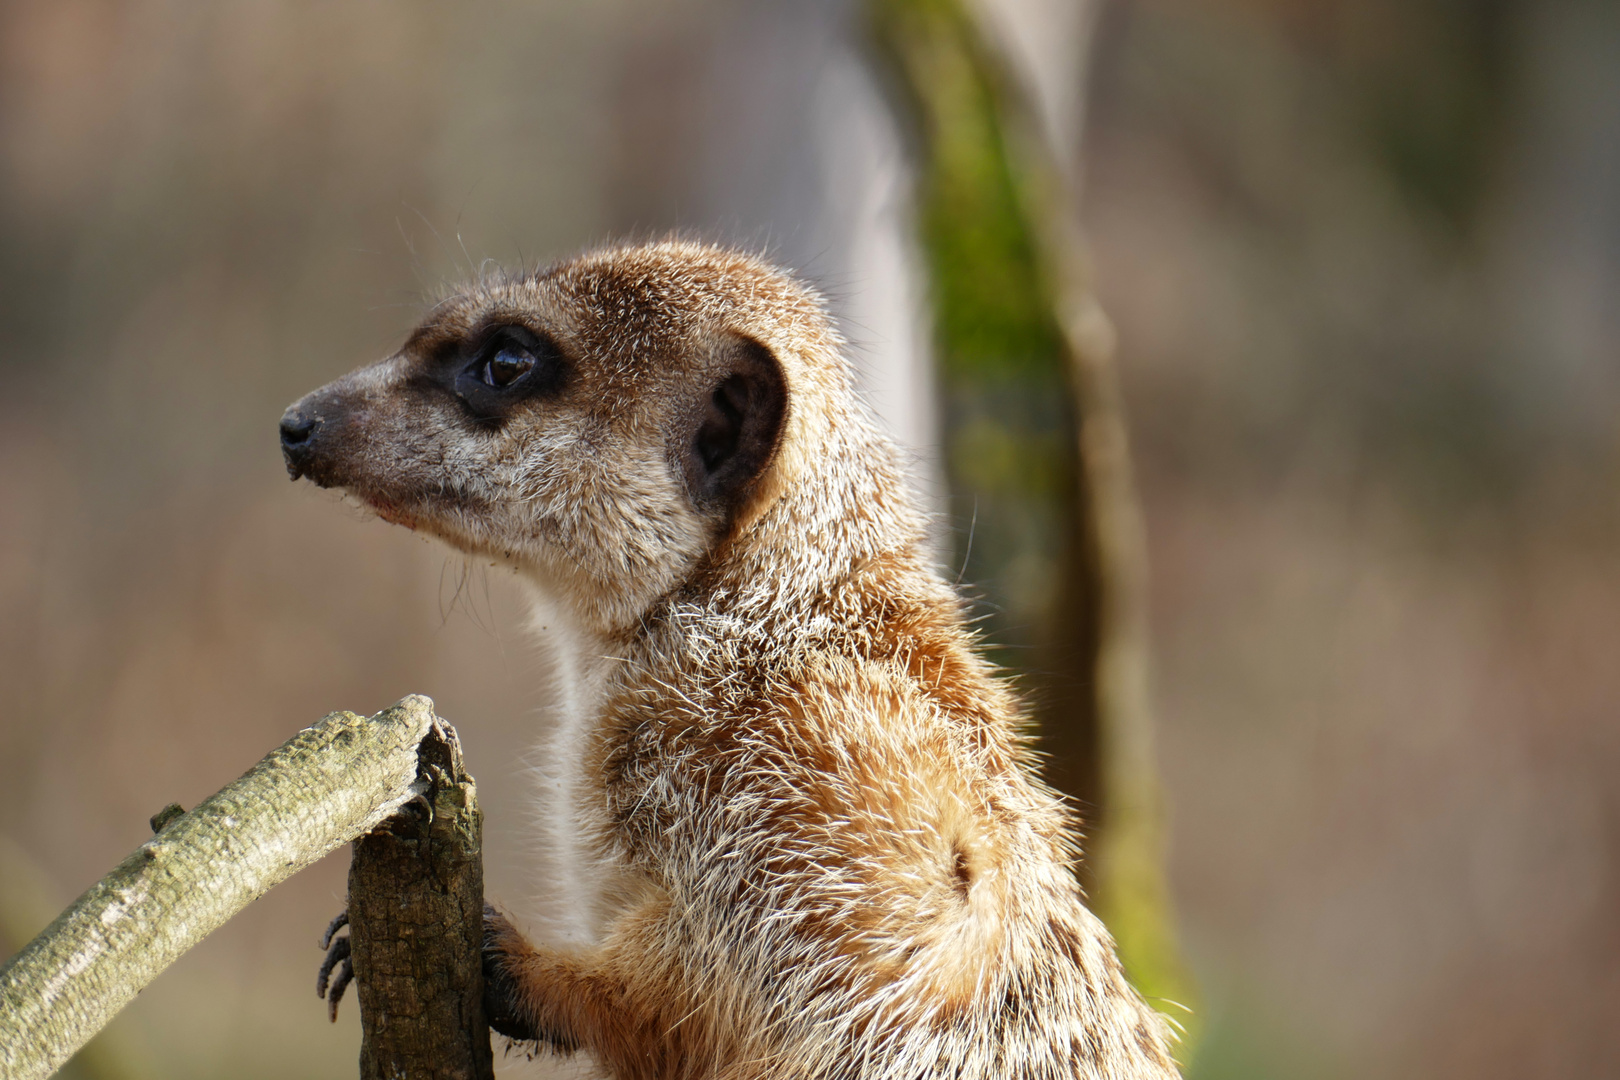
(337, 970)
(339, 984)
(338, 923)
(337, 954)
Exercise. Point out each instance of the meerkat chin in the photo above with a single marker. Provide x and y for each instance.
(796, 822)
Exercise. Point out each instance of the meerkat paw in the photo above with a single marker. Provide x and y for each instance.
(337, 969)
(502, 942)
(502, 1002)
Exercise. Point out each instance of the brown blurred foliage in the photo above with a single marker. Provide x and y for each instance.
(1364, 259)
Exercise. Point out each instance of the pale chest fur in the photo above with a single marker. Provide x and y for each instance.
(575, 882)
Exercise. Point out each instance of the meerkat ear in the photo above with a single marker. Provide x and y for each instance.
(736, 426)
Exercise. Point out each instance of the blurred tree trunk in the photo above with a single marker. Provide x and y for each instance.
(1037, 456)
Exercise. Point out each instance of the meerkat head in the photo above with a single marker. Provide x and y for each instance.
(601, 426)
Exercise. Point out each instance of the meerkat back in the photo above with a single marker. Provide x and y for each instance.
(806, 833)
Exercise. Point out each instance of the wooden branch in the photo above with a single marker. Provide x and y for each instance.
(416, 921)
(29, 900)
(325, 786)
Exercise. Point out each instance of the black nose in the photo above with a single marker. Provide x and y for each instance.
(297, 428)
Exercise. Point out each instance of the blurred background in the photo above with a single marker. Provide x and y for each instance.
(1363, 262)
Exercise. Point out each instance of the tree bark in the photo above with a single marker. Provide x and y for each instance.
(330, 783)
(416, 919)
(29, 900)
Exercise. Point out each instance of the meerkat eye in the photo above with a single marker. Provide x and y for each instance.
(509, 364)
(506, 367)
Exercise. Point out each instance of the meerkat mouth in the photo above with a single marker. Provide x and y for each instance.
(439, 516)
(390, 511)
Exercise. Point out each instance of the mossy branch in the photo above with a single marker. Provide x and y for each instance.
(327, 785)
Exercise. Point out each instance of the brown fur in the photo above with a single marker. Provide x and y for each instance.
(822, 848)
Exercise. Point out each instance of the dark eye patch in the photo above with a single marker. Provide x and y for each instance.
(506, 366)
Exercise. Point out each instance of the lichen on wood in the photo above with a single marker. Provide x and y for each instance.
(333, 781)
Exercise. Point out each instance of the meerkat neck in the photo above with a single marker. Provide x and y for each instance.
(834, 518)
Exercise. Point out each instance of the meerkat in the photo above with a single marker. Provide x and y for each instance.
(806, 809)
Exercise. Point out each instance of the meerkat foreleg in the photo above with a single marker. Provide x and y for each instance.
(536, 996)
(567, 1002)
